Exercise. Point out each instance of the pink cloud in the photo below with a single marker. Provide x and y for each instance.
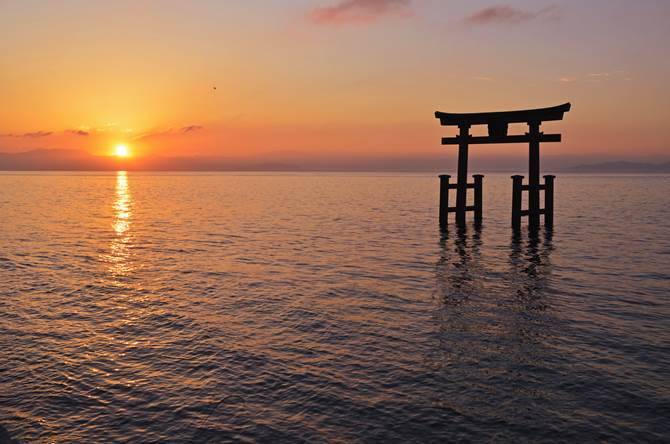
(347, 12)
(505, 14)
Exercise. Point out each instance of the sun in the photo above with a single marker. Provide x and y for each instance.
(121, 151)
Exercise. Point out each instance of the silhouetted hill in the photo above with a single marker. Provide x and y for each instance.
(52, 159)
(73, 160)
(621, 167)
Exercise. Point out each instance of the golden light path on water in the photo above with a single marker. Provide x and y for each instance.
(122, 242)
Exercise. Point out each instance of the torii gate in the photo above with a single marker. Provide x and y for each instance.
(497, 123)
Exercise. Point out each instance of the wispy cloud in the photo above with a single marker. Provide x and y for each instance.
(597, 77)
(505, 14)
(191, 128)
(38, 134)
(614, 75)
(168, 132)
(77, 132)
(346, 12)
(29, 135)
(85, 132)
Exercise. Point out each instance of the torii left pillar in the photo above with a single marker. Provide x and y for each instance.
(461, 186)
(534, 174)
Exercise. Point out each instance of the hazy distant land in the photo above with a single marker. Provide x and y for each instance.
(76, 160)
(621, 167)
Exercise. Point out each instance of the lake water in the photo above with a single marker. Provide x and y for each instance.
(289, 308)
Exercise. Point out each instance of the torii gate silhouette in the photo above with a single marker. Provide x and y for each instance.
(497, 123)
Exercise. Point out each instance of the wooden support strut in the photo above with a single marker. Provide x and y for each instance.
(520, 138)
(454, 186)
(549, 200)
(468, 208)
(517, 182)
(444, 200)
(445, 209)
(479, 178)
(517, 197)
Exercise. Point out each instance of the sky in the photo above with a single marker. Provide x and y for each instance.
(331, 80)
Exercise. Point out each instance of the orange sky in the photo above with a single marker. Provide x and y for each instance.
(321, 77)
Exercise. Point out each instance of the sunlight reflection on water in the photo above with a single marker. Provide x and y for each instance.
(121, 244)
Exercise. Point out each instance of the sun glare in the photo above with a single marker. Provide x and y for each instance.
(121, 151)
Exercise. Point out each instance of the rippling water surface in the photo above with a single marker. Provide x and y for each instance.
(289, 308)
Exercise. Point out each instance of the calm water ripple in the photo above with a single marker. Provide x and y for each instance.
(296, 308)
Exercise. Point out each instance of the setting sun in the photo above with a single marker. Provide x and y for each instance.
(121, 151)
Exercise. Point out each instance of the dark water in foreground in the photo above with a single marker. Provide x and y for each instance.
(211, 308)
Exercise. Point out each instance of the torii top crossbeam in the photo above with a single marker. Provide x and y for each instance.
(527, 115)
(498, 122)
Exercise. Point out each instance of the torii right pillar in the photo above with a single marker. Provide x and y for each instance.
(535, 187)
(534, 174)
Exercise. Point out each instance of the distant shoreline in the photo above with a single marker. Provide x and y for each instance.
(74, 160)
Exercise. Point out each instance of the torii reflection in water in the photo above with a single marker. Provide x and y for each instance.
(530, 264)
(462, 275)
(458, 279)
(492, 303)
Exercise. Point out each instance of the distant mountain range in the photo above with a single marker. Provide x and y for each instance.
(52, 159)
(621, 167)
(75, 160)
